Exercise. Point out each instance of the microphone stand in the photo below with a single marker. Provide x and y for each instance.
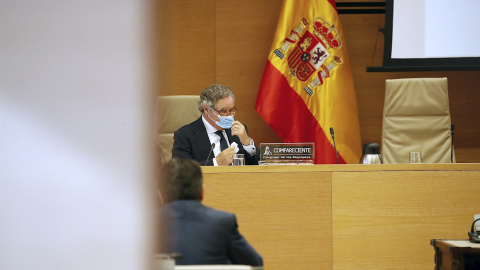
(211, 149)
(334, 146)
(452, 129)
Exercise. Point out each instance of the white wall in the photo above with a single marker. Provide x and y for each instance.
(74, 129)
(435, 28)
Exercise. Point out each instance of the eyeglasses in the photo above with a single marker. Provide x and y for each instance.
(232, 112)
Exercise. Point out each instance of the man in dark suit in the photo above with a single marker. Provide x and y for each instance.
(215, 126)
(202, 235)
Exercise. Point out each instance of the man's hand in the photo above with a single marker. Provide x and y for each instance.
(226, 156)
(239, 130)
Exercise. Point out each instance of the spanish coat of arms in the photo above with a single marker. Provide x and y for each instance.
(314, 52)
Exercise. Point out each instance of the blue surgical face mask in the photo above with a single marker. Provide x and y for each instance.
(225, 121)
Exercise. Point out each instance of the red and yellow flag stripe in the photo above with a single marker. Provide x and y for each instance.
(307, 86)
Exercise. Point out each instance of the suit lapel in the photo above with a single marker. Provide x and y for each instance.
(201, 138)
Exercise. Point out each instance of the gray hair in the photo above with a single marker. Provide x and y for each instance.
(212, 93)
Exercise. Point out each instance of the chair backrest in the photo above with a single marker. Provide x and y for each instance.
(416, 118)
(172, 113)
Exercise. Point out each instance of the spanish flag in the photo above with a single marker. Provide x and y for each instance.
(307, 86)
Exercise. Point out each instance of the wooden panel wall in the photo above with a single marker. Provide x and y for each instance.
(197, 43)
(183, 46)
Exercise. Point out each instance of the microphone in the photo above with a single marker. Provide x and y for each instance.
(334, 146)
(452, 129)
(211, 149)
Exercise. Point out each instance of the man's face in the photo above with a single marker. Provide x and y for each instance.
(223, 107)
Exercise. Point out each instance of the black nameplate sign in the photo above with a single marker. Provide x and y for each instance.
(294, 153)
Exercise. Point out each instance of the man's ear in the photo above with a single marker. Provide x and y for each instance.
(201, 194)
(161, 198)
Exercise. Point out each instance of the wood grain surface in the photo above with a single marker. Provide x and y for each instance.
(347, 216)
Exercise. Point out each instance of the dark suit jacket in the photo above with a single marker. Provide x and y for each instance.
(191, 141)
(203, 235)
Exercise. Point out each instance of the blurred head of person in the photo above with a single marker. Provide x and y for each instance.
(180, 179)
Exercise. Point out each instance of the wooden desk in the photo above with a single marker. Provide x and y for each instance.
(346, 216)
(456, 254)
